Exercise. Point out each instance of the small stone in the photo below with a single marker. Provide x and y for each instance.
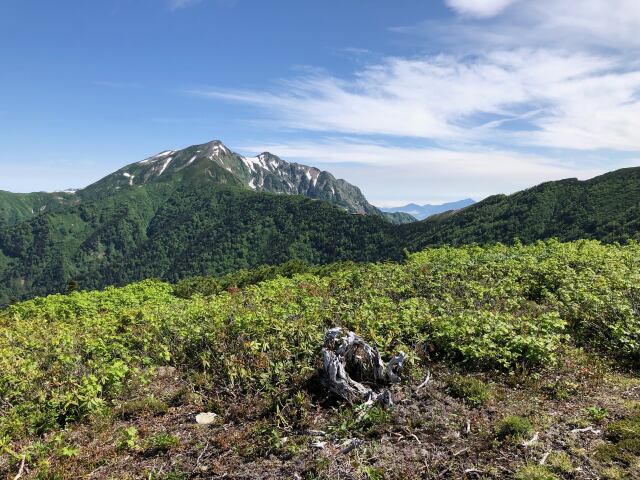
(206, 418)
(166, 371)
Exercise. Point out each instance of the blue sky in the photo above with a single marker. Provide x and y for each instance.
(411, 100)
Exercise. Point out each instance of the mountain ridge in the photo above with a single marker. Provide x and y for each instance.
(104, 235)
(213, 163)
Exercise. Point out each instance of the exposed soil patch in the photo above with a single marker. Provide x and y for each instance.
(431, 432)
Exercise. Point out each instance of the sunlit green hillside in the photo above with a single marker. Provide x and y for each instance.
(541, 338)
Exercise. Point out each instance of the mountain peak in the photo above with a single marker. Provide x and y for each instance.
(215, 163)
(216, 143)
(216, 147)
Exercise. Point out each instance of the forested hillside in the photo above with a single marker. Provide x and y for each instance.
(605, 208)
(521, 363)
(160, 232)
(16, 207)
(194, 224)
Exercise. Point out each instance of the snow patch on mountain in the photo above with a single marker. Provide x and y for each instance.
(165, 165)
(130, 177)
(156, 157)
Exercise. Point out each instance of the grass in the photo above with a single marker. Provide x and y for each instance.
(121, 372)
(560, 462)
(535, 472)
(620, 456)
(160, 443)
(513, 427)
(472, 390)
(144, 406)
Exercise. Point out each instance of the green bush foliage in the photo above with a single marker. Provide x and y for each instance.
(160, 443)
(535, 472)
(513, 427)
(472, 390)
(66, 356)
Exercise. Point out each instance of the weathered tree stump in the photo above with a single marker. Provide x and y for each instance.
(349, 364)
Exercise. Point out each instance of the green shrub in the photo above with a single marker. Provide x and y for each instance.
(362, 419)
(67, 356)
(597, 414)
(560, 462)
(128, 439)
(535, 472)
(160, 443)
(513, 427)
(561, 389)
(472, 390)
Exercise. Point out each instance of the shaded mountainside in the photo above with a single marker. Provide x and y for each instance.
(421, 212)
(168, 231)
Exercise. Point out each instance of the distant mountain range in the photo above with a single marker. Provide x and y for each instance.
(420, 212)
(205, 210)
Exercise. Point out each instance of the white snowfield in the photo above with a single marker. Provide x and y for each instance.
(130, 177)
(156, 157)
(165, 165)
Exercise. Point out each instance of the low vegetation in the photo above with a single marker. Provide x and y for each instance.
(514, 428)
(209, 224)
(474, 391)
(530, 349)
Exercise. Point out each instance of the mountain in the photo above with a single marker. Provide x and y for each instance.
(421, 212)
(164, 232)
(214, 163)
(210, 163)
(15, 207)
(200, 210)
(605, 208)
(207, 211)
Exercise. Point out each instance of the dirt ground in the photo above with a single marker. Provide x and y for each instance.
(428, 434)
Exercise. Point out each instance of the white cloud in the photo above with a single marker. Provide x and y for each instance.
(479, 8)
(598, 24)
(426, 174)
(568, 100)
(558, 79)
(590, 22)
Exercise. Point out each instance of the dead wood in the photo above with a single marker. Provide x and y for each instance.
(349, 365)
